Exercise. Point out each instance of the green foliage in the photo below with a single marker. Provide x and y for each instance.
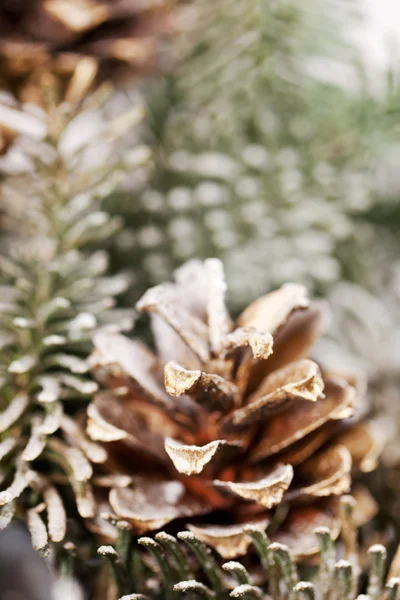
(280, 578)
(55, 292)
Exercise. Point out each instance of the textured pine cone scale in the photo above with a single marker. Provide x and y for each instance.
(227, 421)
(50, 38)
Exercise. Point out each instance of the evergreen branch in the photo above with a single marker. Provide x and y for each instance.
(55, 293)
(327, 580)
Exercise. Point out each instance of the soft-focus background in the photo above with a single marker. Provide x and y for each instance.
(267, 135)
(274, 146)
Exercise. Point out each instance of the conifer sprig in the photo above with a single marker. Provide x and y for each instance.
(337, 574)
(55, 292)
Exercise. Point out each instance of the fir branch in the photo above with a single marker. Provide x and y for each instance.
(55, 293)
(336, 582)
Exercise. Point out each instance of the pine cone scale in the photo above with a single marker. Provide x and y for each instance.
(299, 420)
(45, 40)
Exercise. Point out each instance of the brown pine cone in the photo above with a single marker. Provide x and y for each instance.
(42, 42)
(227, 421)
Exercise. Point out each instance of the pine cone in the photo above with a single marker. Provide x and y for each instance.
(43, 41)
(243, 423)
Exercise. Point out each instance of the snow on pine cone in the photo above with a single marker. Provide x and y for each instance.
(228, 421)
